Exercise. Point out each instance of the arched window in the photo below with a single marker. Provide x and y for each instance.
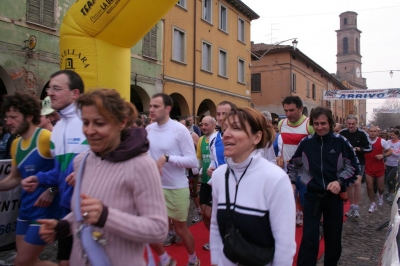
(345, 45)
(345, 21)
(357, 46)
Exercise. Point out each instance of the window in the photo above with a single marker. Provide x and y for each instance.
(206, 57)
(308, 88)
(223, 63)
(345, 21)
(241, 30)
(294, 82)
(328, 104)
(178, 46)
(182, 3)
(223, 18)
(345, 45)
(256, 82)
(241, 70)
(207, 10)
(150, 43)
(41, 12)
(314, 92)
(357, 47)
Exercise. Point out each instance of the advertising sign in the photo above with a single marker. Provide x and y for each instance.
(9, 207)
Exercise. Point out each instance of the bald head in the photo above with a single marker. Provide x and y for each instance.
(208, 125)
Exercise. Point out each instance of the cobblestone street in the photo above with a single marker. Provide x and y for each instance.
(361, 243)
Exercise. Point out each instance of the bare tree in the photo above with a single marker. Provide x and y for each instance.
(386, 120)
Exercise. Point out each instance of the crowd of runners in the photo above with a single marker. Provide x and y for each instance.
(88, 158)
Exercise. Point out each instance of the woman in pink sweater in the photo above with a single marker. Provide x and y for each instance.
(121, 195)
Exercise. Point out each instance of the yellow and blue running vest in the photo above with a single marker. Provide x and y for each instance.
(31, 156)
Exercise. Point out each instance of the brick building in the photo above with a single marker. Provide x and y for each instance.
(285, 71)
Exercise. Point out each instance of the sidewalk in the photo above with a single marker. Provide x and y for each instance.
(361, 244)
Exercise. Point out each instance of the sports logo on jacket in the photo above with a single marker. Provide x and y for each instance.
(73, 140)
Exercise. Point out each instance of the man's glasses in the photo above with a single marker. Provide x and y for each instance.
(55, 89)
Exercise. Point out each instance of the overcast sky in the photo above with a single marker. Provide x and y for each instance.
(314, 23)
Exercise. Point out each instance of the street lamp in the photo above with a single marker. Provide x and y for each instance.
(391, 73)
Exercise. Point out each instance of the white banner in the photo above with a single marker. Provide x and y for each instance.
(386, 111)
(9, 207)
(361, 94)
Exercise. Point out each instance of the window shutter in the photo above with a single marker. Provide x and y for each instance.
(153, 42)
(241, 71)
(223, 18)
(222, 63)
(146, 45)
(33, 12)
(178, 45)
(256, 82)
(241, 30)
(205, 57)
(48, 13)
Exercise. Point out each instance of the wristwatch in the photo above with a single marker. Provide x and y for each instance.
(53, 190)
(166, 157)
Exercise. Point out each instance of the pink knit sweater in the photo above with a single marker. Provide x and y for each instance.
(136, 209)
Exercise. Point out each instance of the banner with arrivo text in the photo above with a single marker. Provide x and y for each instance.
(9, 207)
(361, 94)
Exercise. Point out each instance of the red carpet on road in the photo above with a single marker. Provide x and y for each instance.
(201, 236)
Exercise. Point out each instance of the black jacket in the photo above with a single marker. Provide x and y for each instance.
(321, 160)
(358, 138)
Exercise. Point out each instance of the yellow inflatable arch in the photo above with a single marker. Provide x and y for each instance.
(96, 37)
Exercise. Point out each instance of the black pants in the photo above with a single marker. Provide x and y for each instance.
(331, 207)
(391, 172)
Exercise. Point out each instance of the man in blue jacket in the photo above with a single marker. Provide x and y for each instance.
(67, 141)
(327, 165)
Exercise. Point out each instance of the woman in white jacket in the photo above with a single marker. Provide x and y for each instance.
(261, 196)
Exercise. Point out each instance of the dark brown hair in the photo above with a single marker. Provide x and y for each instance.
(24, 103)
(318, 111)
(256, 122)
(110, 105)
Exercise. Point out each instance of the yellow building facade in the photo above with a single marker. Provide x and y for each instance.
(206, 55)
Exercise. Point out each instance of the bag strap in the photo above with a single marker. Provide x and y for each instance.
(77, 190)
(227, 198)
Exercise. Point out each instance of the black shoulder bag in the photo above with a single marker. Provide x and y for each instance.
(236, 248)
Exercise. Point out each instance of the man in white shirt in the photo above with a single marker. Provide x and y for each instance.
(172, 147)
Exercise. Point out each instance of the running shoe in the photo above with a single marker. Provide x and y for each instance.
(350, 213)
(380, 200)
(299, 218)
(170, 239)
(372, 208)
(197, 263)
(356, 213)
(206, 246)
(390, 197)
(196, 218)
(9, 261)
(171, 262)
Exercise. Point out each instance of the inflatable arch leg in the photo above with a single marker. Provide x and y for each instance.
(96, 37)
